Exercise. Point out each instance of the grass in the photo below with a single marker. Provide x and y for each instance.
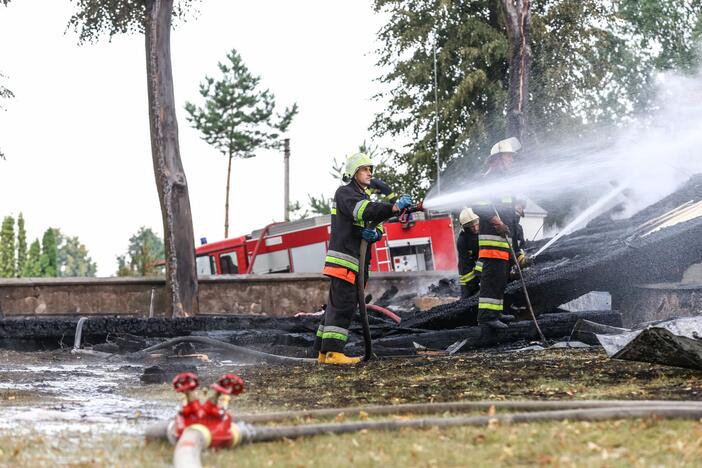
(618, 443)
(553, 374)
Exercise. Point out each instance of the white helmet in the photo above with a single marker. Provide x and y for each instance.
(510, 145)
(467, 216)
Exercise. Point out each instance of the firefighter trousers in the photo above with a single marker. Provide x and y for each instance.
(333, 331)
(469, 289)
(492, 289)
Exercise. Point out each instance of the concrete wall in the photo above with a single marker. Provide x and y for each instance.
(273, 295)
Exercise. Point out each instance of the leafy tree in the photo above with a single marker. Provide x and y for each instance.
(237, 117)
(8, 265)
(21, 245)
(152, 18)
(48, 260)
(32, 267)
(593, 65)
(143, 255)
(73, 258)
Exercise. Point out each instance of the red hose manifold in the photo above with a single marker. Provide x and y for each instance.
(211, 416)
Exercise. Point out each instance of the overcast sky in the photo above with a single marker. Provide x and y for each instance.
(76, 136)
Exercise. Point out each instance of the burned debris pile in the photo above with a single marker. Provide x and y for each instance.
(656, 244)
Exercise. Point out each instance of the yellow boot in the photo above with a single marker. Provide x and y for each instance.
(321, 359)
(340, 358)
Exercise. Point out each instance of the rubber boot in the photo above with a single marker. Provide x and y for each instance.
(321, 358)
(340, 358)
(506, 318)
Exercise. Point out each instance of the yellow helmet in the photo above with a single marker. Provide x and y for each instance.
(467, 216)
(355, 161)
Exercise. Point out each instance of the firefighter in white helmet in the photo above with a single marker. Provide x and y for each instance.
(498, 219)
(469, 267)
(351, 213)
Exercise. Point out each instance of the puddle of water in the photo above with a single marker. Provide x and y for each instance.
(78, 397)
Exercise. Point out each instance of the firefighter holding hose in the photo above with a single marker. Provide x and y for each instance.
(352, 212)
(498, 223)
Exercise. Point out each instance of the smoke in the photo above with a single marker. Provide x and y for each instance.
(646, 159)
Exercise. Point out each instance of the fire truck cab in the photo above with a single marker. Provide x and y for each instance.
(300, 246)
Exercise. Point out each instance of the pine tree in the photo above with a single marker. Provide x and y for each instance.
(32, 267)
(21, 245)
(237, 118)
(7, 248)
(48, 261)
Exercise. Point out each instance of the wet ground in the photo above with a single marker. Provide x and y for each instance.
(48, 393)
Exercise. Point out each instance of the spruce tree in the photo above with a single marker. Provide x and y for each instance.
(48, 260)
(21, 245)
(237, 117)
(7, 248)
(32, 267)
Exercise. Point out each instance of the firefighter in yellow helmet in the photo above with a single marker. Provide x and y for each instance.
(469, 268)
(352, 212)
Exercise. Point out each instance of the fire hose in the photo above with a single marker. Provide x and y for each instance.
(201, 425)
(361, 284)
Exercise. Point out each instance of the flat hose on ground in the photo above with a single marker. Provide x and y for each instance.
(588, 410)
(222, 344)
(266, 434)
(452, 407)
(361, 295)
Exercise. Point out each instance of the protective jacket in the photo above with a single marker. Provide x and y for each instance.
(491, 242)
(351, 211)
(467, 247)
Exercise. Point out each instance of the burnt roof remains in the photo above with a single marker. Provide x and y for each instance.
(657, 243)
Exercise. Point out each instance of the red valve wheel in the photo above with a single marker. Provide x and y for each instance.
(185, 382)
(233, 383)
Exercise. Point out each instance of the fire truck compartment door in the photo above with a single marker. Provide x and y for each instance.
(273, 262)
(309, 258)
(410, 241)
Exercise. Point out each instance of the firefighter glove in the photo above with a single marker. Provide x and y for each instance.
(403, 202)
(370, 235)
(502, 229)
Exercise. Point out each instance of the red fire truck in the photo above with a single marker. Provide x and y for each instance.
(300, 246)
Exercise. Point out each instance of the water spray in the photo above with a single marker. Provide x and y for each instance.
(583, 217)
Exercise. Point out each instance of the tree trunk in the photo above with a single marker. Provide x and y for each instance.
(226, 199)
(181, 273)
(518, 24)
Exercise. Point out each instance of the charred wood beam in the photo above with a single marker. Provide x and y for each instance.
(554, 326)
(55, 329)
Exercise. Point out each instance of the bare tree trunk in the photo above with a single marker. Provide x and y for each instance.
(518, 23)
(226, 199)
(181, 273)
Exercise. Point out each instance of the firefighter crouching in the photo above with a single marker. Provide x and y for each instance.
(497, 224)
(469, 267)
(351, 212)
